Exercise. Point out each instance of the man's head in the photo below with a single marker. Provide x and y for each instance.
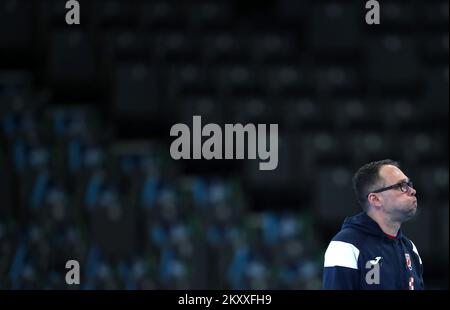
(382, 187)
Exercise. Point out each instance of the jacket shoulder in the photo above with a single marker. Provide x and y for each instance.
(351, 235)
(345, 249)
(412, 247)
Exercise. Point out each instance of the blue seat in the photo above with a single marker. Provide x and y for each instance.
(113, 224)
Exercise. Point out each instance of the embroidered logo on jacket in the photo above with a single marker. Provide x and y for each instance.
(408, 261)
(376, 260)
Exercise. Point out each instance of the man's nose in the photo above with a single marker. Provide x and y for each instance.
(413, 191)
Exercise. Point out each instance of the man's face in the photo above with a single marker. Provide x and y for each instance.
(399, 206)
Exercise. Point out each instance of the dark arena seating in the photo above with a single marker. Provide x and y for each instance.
(86, 112)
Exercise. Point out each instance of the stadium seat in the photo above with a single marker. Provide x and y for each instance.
(161, 15)
(226, 47)
(17, 15)
(334, 196)
(238, 79)
(394, 62)
(206, 15)
(285, 79)
(434, 14)
(272, 48)
(135, 90)
(175, 46)
(72, 59)
(113, 13)
(334, 29)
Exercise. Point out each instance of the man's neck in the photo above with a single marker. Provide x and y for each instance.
(387, 226)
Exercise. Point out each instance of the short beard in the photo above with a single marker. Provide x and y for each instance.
(406, 216)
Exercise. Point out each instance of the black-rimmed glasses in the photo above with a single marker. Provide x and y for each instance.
(403, 186)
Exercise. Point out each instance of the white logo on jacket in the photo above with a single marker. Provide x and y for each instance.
(376, 260)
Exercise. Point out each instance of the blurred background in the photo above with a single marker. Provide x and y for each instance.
(86, 110)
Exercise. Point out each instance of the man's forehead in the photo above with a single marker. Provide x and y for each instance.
(392, 173)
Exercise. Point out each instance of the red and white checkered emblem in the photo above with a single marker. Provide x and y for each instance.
(411, 283)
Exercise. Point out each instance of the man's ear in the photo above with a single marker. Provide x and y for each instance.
(374, 200)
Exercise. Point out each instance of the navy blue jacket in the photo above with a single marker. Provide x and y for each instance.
(362, 257)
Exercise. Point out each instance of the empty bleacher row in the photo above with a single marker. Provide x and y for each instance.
(128, 216)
